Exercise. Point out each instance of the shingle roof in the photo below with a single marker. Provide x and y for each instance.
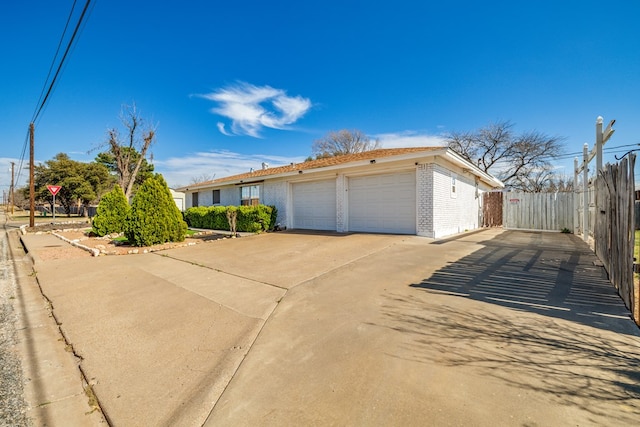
(320, 163)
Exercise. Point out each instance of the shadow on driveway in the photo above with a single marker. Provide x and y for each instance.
(555, 275)
(534, 310)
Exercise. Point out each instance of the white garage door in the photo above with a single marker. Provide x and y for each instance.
(383, 203)
(314, 205)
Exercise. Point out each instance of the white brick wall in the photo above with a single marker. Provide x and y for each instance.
(205, 198)
(230, 196)
(275, 193)
(424, 201)
(453, 214)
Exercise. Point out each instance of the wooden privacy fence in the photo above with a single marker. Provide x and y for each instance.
(538, 211)
(615, 229)
(492, 209)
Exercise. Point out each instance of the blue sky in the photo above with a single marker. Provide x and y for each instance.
(232, 84)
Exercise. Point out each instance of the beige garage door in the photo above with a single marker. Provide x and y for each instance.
(314, 205)
(383, 203)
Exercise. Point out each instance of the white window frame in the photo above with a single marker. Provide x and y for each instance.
(250, 195)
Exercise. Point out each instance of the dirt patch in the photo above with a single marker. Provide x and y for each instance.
(81, 239)
(56, 226)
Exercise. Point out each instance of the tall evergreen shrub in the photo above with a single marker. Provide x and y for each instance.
(154, 217)
(111, 213)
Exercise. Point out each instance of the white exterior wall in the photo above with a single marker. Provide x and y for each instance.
(454, 213)
(205, 198)
(229, 196)
(275, 193)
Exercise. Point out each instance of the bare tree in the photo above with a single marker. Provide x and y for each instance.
(203, 177)
(343, 142)
(561, 183)
(521, 161)
(137, 140)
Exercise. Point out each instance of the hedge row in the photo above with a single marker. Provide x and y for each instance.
(250, 219)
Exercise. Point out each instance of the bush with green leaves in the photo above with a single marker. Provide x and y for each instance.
(250, 219)
(209, 217)
(111, 213)
(154, 217)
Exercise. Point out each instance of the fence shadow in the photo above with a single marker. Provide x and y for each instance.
(560, 328)
(552, 274)
(572, 367)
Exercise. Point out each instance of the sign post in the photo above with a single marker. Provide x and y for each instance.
(54, 189)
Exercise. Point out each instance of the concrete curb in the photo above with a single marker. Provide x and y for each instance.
(93, 251)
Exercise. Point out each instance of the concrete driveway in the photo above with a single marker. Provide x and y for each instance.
(490, 328)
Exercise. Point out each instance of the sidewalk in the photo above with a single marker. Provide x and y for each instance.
(55, 389)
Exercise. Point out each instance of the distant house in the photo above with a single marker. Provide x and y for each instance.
(179, 198)
(428, 191)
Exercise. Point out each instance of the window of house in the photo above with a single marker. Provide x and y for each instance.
(194, 199)
(250, 195)
(216, 197)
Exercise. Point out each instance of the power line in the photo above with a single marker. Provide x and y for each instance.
(62, 61)
(48, 87)
(55, 57)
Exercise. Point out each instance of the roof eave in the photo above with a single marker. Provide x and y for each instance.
(465, 164)
(417, 155)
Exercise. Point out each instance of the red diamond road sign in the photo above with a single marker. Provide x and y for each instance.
(53, 189)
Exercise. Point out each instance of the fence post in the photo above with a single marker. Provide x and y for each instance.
(599, 144)
(576, 197)
(585, 185)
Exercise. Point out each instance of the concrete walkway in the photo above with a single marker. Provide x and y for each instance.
(54, 386)
(490, 328)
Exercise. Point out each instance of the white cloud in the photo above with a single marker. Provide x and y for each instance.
(179, 171)
(409, 139)
(222, 129)
(252, 108)
(20, 176)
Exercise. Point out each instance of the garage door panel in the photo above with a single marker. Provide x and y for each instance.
(314, 205)
(383, 203)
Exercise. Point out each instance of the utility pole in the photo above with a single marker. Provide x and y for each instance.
(11, 195)
(32, 185)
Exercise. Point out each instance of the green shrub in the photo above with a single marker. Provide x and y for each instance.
(111, 213)
(211, 217)
(250, 219)
(154, 217)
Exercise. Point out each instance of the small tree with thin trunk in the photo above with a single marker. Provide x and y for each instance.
(137, 140)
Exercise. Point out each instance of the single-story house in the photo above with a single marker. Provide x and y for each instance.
(428, 191)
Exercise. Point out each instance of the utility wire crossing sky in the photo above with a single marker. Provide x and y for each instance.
(229, 86)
